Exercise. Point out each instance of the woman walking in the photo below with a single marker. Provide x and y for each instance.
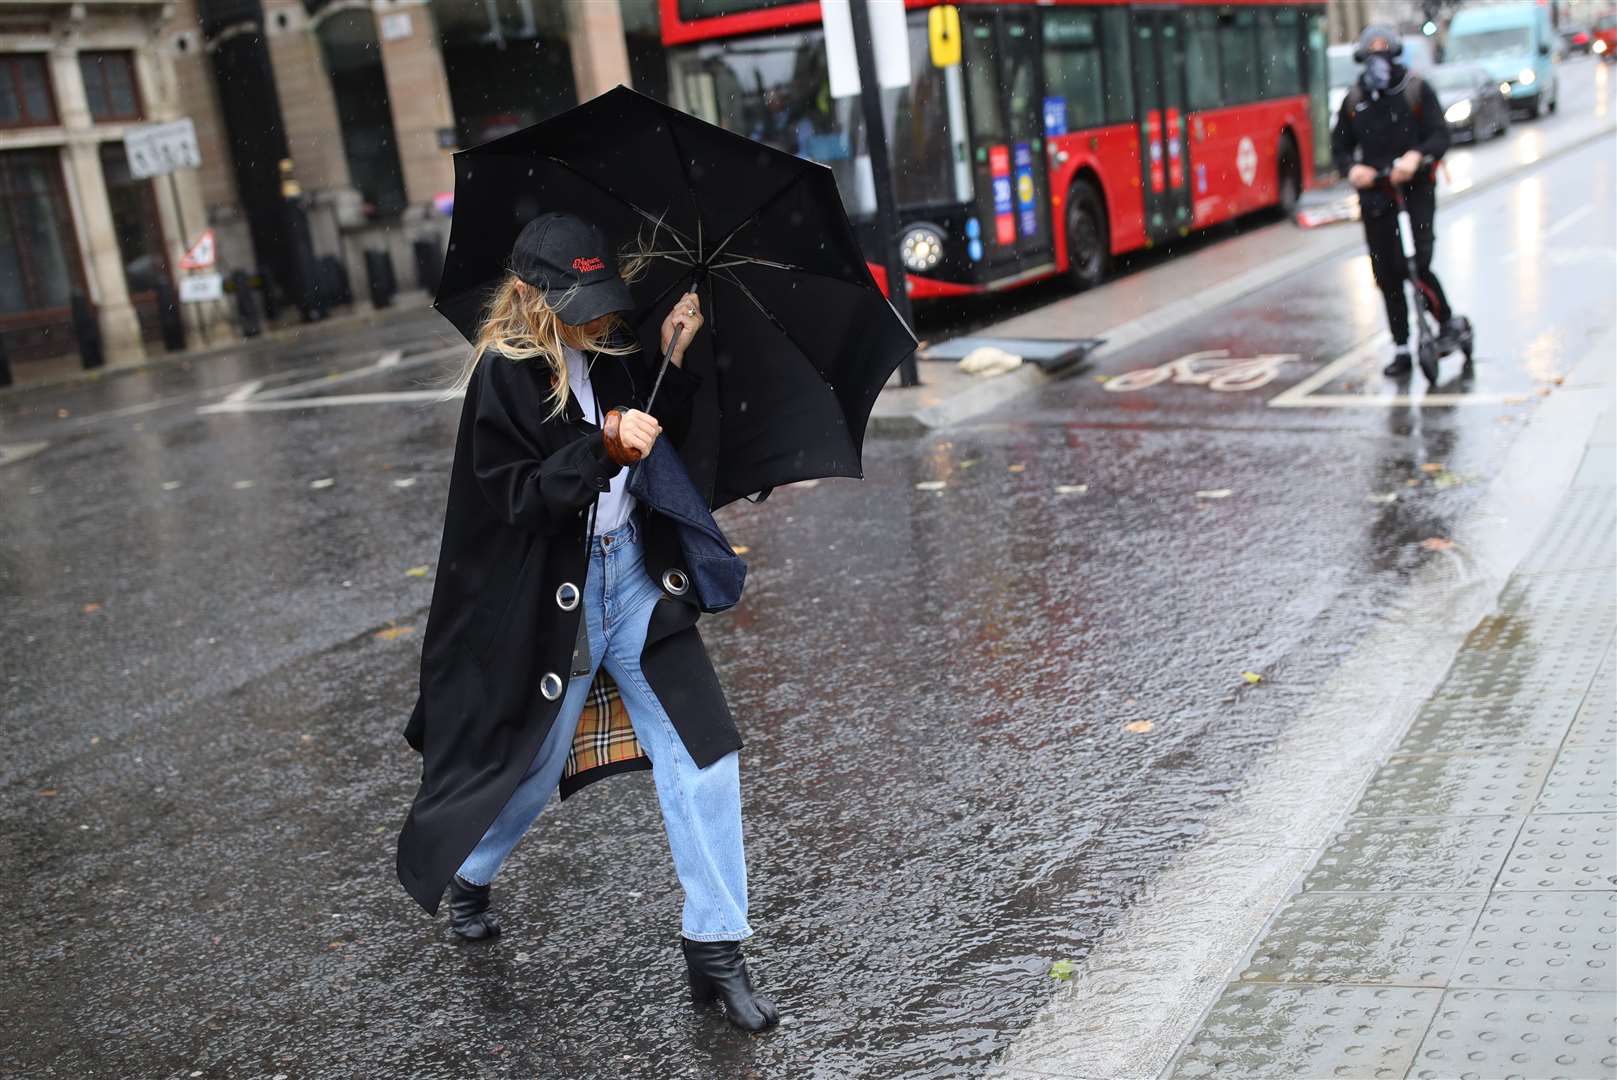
(561, 644)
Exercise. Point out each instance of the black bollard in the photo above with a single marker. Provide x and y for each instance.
(246, 305)
(334, 280)
(429, 263)
(5, 363)
(169, 315)
(379, 268)
(88, 333)
(272, 299)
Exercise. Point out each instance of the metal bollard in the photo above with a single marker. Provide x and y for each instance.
(334, 280)
(429, 263)
(246, 305)
(169, 315)
(272, 299)
(88, 332)
(379, 269)
(5, 363)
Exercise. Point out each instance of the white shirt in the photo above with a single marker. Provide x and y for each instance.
(615, 504)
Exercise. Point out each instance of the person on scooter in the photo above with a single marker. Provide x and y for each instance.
(1391, 122)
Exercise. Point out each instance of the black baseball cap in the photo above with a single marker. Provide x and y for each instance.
(571, 260)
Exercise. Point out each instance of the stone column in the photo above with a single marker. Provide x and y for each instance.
(595, 38)
(103, 263)
(418, 92)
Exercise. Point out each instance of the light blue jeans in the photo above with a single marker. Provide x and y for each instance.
(701, 807)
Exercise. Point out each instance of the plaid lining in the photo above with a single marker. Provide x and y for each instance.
(604, 735)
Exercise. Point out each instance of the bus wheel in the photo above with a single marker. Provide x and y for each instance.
(1290, 185)
(1087, 254)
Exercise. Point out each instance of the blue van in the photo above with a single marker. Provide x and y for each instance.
(1516, 44)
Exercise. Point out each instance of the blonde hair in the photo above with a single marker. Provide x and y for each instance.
(520, 323)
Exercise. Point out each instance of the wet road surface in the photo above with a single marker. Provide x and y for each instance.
(979, 716)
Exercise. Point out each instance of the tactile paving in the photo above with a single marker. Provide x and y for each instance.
(1583, 597)
(1407, 940)
(1596, 722)
(1264, 1030)
(1483, 724)
(1583, 780)
(1414, 854)
(1520, 1035)
(1528, 672)
(1433, 784)
(1562, 851)
(1581, 535)
(1542, 941)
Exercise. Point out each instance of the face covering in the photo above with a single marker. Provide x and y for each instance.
(1378, 71)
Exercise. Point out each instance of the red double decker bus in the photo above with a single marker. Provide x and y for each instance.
(1068, 133)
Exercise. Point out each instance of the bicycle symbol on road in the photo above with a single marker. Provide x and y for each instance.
(1212, 368)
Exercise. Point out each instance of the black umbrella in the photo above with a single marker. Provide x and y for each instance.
(801, 338)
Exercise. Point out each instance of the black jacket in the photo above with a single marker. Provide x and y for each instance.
(1376, 127)
(520, 490)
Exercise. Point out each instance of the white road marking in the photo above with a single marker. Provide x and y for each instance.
(1367, 354)
(249, 398)
(390, 358)
(1567, 222)
(245, 390)
(15, 452)
(330, 401)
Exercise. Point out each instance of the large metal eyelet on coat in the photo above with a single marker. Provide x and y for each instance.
(567, 596)
(550, 686)
(675, 582)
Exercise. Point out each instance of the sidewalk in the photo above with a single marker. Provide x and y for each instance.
(1460, 921)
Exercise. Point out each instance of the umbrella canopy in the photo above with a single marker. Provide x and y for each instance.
(801, 338)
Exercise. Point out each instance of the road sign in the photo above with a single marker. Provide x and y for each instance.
(159, 149)
(889, 37)
(201, 288)
(200, 255)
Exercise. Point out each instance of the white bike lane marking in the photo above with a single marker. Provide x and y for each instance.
(1365, 359)
(1212, 368)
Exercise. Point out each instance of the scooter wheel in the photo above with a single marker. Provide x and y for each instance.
(1428, 361)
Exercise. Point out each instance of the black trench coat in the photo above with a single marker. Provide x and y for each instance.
(520, 492)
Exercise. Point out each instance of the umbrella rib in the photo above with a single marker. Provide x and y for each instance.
(796, 179)
(656, 220)
(685, 171)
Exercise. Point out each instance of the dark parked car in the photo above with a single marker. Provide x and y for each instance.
(1473, 103)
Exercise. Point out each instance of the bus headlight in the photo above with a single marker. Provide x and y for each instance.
(1459, 112)
(921, 249)
(1526, 76)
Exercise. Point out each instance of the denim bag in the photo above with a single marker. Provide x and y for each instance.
(659, 481)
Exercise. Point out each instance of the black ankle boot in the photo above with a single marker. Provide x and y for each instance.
(469, 915)
(1400, 366)
(718, 972)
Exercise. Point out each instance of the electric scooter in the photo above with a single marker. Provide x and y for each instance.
(1431, 342)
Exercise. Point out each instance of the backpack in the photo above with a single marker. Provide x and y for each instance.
(1412, 94)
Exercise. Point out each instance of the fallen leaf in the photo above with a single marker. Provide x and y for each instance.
(170, 485)
(1431, 467)
(1413, 481)
(1558, 379)
(741, 549)
(930, 485)
(1072, 489)
(242, 485)
(49, 793)
(94, 739)
(1128, 701)
(91, 608)
(969, 462)
(393, 633)
(1436, 543)
(62, 414)
(1516, 399)
(306, 738)
(1382, 497)
(408, 481)
(1447, 480)
(416, 571)
(1215, 493)
(1101, 378)
(1063, 970)
(1139, 727)
(1252, 677)
(323, 482)
(1018, 467)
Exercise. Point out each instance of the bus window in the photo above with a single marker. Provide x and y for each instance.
(1114, 24)
(1072, 67)
(983, 75)
(1278, 53)
(1201, 60)
(1238, 50)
